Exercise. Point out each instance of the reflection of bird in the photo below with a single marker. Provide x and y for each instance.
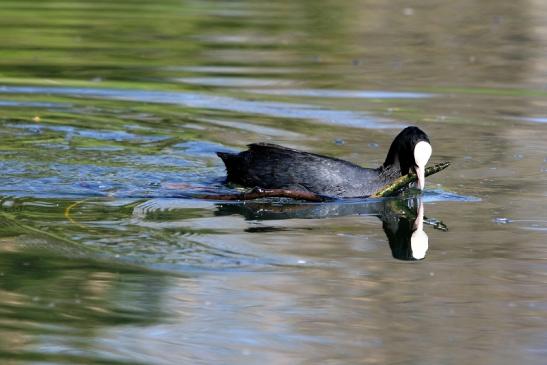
(271, 166)
(402, 220)
(405, 232)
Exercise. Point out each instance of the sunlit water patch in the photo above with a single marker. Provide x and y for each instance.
(535, 119)
(208, 101)
(32, 104)
(354, 94)
(232, 81)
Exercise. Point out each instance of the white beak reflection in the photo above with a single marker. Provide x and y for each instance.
(419, 242)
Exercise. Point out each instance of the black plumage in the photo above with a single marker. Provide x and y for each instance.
(270, 166)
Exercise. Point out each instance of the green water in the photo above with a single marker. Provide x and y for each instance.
(110, 116)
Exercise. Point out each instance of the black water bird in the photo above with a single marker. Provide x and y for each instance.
(270, 166)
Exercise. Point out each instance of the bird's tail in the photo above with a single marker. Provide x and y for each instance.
(233, 165)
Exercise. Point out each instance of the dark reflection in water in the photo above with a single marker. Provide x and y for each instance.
(402, 219)
(405, 233)
(54, 309)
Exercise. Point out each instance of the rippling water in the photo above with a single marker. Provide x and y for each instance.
(110, 116)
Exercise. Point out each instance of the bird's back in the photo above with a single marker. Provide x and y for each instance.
(271, 166)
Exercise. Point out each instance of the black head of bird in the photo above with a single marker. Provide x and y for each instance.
(410, 151)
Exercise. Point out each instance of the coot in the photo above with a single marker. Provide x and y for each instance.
(270, 166)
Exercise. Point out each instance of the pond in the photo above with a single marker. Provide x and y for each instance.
(110, 116)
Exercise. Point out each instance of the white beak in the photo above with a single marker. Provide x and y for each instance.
(420, 172)
(422, 153)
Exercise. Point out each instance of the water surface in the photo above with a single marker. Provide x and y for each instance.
(110, 116)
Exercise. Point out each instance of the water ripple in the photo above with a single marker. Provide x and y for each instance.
(206, 101)
(32, 104)
(357, 94)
